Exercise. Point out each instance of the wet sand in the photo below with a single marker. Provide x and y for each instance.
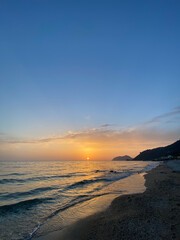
(154, 214)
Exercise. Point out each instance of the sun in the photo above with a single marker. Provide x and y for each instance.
(87, 158)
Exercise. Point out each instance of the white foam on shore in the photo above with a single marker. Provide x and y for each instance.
(150, 167)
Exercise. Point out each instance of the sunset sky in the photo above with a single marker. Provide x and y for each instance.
(88, 79)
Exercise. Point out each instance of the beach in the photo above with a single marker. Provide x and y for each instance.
(154, 214)
(38, 199)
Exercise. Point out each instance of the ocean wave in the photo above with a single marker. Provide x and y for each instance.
(48, 177)
(116, 178)
(31, 192)
(150, 166)
(19, 180)
(79, 199)
(104, 179)
(83, 182)
(11, 174)
(27, 204)
(11, 180)
(75, 201)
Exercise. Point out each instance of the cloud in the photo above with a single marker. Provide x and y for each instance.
(157, 119)
(106, 138)
(106, 125)
(3, 134)
(103, 142)
(177, 108)
(96, 135)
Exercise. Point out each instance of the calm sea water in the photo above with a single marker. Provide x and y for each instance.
(37, 198)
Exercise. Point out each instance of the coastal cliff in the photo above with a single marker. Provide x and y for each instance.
(162, 153)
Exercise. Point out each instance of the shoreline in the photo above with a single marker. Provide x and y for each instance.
(132, 184)
(153, 214)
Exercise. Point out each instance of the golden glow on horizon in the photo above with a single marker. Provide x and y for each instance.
(94, 145)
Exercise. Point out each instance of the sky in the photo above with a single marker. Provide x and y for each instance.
(88, 79)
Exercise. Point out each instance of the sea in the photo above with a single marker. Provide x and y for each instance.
(41, 197)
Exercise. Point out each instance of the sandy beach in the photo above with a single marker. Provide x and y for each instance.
(154, 214)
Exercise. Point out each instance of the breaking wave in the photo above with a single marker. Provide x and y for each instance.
(91, 181)
(27, 204)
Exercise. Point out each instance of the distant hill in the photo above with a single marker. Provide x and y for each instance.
(122, 158)
(161, 153)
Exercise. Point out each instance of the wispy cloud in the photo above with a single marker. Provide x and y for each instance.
(177, 108)
(175, 112)
(2, 134)
(106, 140)
(102, 135)
(107, 125)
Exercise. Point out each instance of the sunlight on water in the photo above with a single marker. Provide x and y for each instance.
(37, 198)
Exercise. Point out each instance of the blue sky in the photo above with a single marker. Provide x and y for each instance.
(76, 65)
